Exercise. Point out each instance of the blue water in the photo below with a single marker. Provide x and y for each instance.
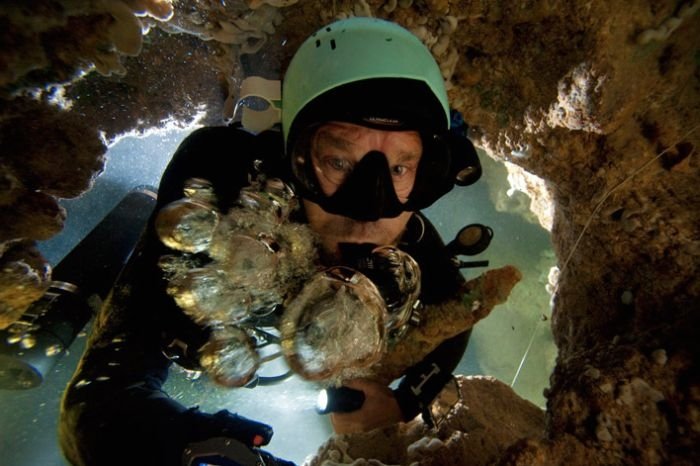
(514, 344)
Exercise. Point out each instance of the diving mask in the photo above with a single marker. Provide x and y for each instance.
(366, 189)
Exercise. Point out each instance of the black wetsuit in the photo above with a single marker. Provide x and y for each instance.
(114, 410)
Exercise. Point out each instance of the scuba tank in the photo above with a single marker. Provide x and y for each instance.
(31, 346)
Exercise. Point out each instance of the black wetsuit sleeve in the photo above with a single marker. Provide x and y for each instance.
(221, 155)
(114, 410)
(424, 381)
(440, 282)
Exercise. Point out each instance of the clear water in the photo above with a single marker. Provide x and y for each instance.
(514, 344)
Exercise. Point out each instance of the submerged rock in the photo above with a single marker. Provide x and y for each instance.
(488, 418)
(599, 100)
(477, 299)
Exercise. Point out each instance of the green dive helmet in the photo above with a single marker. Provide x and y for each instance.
(359, 49)
(377, 74)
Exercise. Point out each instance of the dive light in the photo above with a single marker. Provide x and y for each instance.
(339, 400)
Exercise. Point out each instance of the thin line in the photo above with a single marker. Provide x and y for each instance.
(613, 189)
(585, 228)
(522, 361)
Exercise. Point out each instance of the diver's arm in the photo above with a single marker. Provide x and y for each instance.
(223, 155)
(422, 382)
(441, 281)
(382, 406)
(114, 410)
(218, 154)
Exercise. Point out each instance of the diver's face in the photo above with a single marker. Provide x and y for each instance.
(335, 149)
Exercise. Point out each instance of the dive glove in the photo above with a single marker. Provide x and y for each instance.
(223, 451)
(226, 424)
(230, 440)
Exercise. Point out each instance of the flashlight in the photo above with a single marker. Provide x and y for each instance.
(339, 400)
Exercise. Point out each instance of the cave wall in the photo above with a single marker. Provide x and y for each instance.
(598, 100)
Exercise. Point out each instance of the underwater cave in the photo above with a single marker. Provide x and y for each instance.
(586, 115)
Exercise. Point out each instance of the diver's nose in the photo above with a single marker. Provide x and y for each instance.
(368, 194)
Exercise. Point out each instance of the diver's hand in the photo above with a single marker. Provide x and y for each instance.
(380, 409)
(223, 451)
(226, 424)
(225, 438)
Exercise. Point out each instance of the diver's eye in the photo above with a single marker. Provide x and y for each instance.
(399, 170)
(335, 169)
(338, 164)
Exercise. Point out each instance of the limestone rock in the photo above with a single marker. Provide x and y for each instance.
(487, 420)
(599, 100)
(24, 276)
(440, 322)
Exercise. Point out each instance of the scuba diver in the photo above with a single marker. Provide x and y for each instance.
(366, 143)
